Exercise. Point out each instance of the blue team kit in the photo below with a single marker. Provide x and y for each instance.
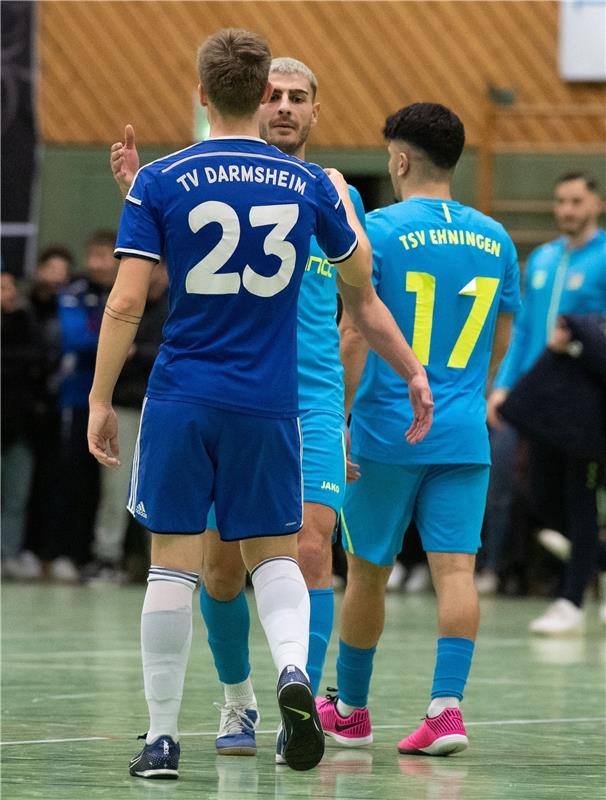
(320, 375)
(233, 218)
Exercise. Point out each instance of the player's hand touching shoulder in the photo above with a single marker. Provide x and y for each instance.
(124, 160)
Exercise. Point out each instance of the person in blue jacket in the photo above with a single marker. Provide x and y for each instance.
(564, 276)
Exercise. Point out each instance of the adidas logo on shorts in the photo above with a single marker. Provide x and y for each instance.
(140, 510)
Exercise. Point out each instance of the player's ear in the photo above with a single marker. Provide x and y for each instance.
(315, 113)
(202, 95)
(403, 164)
(267, 93)
(598, 204)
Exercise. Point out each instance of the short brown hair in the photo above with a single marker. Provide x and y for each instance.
(233, 65)
(102, 238)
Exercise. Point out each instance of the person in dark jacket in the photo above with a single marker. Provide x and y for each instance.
(563, 276)
(112, 518)
(74, 501)
(21, 369)
(51, 277)
(560, 407)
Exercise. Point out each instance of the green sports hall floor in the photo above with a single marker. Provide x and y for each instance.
(72, 705)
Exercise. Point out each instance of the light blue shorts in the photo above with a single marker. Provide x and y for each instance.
(446, 501)
(323, 461)
(188, 456)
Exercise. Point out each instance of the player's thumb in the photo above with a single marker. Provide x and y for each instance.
(129, 137)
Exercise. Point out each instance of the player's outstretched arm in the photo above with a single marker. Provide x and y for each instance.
(357, 269)
(121, 318)
(375, 322)
(354, 353)
(124, 160)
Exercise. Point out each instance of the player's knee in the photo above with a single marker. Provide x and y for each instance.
(223, 581)
(315, 556)
(365, 576)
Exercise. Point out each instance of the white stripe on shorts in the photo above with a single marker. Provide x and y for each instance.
(134, 474)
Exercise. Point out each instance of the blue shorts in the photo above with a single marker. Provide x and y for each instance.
(447, 502)
(323, 461)
(188, 456)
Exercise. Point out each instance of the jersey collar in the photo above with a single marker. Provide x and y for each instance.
(247, 138)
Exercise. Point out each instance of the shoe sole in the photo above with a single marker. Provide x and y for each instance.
(166, 774)
(348, 741)
(304, 737)
(444, 746)
(236, 751)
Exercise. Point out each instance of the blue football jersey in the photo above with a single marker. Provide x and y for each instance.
(320, 368)
(445, 271)
(233, 218)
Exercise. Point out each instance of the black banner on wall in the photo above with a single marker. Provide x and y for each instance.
(18, 135)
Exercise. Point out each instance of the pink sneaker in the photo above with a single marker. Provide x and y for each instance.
(437, 736)
(351, 731)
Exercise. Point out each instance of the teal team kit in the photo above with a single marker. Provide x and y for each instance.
(445, 271)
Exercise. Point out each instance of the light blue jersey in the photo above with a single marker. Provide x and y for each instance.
(445, 271)
(558, 280)
(320, 368)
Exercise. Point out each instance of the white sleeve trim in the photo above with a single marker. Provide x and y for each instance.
(345, 255)
(130, 252)
(134, 200)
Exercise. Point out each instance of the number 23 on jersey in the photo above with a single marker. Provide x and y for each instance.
(203, 278)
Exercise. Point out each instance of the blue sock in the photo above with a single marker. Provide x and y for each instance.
(228, 624)
(354, 670)
(321, 615)
(453, 663)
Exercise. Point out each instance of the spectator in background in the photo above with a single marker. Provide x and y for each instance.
(560, 406)
(74, 501)
(112, 517)
(565, 276)
(20, 385)
(52, 275)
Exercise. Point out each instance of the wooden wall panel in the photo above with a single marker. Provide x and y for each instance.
(105, 63)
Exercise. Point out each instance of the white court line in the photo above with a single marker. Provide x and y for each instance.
(273, 732)
(56, 741)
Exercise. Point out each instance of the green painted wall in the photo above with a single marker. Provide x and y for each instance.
(78, 194)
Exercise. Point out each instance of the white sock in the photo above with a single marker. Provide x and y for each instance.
(343, 709)
(438, 704)
(166, 629)
(240, 694)
(283, 608)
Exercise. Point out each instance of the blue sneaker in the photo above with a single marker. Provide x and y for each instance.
(237, 731)
(280, 747)
(160, 759)
(302, 744)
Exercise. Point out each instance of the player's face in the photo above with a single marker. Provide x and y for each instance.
(289, 115)
(576, 207)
